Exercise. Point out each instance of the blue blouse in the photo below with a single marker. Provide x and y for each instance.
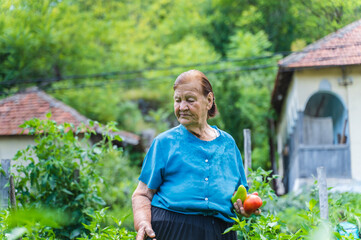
(193, 176)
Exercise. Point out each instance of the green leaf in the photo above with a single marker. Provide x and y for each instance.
(80, 196)
(67, 191)
(98, 200)
(52, 183)
(76, 232)
(69, 135)
(242, 224)
(338, 235)
(272, 224)
(118, 138)
(48, 115)
(117, 221)
(312, 204)
(91, 123)
(262, 237)
(229, 229)
(2, 171)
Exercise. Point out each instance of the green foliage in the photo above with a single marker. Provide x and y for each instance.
(159, 118)
(54, 39)
(45, 39)
(59, 171)
(190, 49)
(57, 38)
(39, 224)
(107, 105)
(245, 44)
(260, 227)
(243, 99)
(115, 231)
(260, 181)
(342, 207)
(273, 223)
(30, 223)
(325, 16)
(278, 214)
(119, 180)
(283, 21)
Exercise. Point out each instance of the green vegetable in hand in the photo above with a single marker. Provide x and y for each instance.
(240, 194)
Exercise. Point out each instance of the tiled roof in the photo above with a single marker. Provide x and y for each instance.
(16, 109)
(34, 103)
(342, 47)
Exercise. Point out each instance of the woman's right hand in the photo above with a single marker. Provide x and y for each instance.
(142, 210)
(240, 210)
(145, 230)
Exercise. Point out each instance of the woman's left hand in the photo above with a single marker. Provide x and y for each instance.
(240, 210)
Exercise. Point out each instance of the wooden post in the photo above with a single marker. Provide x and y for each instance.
(76, 175)
(4, 180)
(247, 150)
(12, 194)
(322, 192)
(271, 134)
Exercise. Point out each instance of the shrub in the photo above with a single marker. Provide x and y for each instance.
(118, 185)
(59, 171)
(115, 231)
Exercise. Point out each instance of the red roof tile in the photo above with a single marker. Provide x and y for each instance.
(342, 47)
(16, 109)
(34, 103)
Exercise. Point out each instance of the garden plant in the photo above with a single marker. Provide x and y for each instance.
(58, 180)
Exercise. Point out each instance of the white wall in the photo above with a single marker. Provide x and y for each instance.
(307, 82)
(354, 106)
(9, 145)
(288, 113)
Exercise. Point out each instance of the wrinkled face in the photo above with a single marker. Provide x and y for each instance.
(190, 105)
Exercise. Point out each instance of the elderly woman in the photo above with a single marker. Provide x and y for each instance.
(190, 172)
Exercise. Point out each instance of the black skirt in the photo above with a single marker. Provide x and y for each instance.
(169, 225)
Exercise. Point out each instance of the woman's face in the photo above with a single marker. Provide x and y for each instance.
(190, 105)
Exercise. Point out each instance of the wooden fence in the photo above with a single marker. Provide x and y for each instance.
(4, 183)
(303, 160)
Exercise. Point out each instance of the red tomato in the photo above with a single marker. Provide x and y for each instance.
(252, 203)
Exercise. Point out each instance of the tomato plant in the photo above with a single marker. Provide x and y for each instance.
(59, 171)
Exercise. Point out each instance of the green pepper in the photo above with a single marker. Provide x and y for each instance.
(240, 194)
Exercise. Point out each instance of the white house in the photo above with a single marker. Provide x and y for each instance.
(317, 99)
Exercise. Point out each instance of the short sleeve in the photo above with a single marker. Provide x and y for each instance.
(153, 166)
(243, 179)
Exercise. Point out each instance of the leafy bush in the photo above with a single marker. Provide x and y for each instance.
(119, 182)
(39, 224)
(115, 231)
(108, 105)
(30, 223)
(59, 171)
